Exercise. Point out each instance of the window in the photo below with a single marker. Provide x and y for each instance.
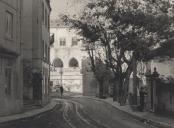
(58, 63)
(48, 55)
(73, 63)
(46, 52)
(9, 25)
(43, 49)
(45, 85)
(43, 15)
(74, 41)
(8, 80)
(1, 65)
(62, 41)
(46, 20)
(43, 80)
(8, 74)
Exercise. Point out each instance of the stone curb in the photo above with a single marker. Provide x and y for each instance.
(141, 119)
(28, 114)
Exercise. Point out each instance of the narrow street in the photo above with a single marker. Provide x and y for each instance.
(79, 113)
(87, 64)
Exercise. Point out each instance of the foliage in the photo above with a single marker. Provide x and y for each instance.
(127, 30)
(102, 72)
(103, 76)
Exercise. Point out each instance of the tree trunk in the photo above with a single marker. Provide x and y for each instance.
(121, 91)
(125, 85)
(101, 87)
(116, 91)
(134, 82)
(125, 90)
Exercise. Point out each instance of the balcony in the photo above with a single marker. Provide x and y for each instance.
(51, 38)
(48, 3)
(4, 51)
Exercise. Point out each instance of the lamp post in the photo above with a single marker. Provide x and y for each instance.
(61, 73)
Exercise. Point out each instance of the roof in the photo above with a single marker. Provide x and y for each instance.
(165, 50)
(58, 23)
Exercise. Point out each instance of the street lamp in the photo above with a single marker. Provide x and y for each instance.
(61, 73)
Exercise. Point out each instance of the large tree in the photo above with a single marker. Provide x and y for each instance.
(127, 30)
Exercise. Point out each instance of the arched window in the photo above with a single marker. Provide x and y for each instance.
(73, 63)
(58, 63)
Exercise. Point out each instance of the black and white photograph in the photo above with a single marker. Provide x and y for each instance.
(86, 63)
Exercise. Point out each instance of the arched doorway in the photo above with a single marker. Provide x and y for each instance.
(58, 63)
(73, 63)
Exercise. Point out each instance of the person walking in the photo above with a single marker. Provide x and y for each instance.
(61, 91)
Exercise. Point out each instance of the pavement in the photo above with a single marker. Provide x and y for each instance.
(28, 114)
(78, 113)
(107, 116)
(150, 118)
(36, 111)
(145, 117)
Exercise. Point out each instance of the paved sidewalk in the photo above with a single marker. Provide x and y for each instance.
(29, 113)
(145, 117)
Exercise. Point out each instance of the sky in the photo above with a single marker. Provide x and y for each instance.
(66, 7)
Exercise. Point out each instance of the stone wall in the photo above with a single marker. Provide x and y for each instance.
(160, 87)
(71, 79)
(90, 85)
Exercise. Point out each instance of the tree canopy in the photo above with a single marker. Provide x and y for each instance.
(127, 30)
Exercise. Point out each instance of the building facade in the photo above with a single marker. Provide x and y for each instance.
(70, 62)
(11, 90)
(66, 59)
(36, 47)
